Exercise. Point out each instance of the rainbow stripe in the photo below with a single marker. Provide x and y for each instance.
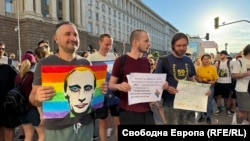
(58, 106)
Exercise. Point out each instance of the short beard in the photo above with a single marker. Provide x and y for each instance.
(179, 54)
(142, 51)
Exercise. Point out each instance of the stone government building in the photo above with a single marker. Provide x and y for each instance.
(37, 20)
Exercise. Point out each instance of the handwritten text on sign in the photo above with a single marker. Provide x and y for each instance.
(191, 96)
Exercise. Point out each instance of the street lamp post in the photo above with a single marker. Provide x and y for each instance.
(226, 46)
(18, 32)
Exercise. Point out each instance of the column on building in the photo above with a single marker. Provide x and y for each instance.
(2, 7)
(38, 7)
(124, 5)
(28, 8)
(65, 10)
(83, 14)
(77, 12)
(53, 11)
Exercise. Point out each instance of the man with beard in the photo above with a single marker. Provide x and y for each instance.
(137, 113)
(77, 128)
(178, 66)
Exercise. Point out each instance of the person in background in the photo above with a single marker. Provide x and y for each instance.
(156, 106)
(15, 62)
(45, 44)
(207, 74)
(85, 54)
(31, 120)
(233, 96)
(188, 54)
(212, 58)
(137, 113)
(80, 127)
(223, 86)
(197, 62)
(241, 72)
(178, 66)
(7, 75)
(41, 52)
(103, 54)
(152, 64)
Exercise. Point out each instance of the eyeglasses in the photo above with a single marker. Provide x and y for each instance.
(2, 48)
(45, 46)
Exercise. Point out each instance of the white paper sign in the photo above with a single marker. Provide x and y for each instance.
(191, 96)
(145, 87)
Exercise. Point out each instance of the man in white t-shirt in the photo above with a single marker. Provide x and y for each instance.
(4, 58)
(241, 72)
(223, 85)
(103, 54)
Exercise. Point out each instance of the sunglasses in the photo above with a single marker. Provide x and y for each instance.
(45, 46)
(2, 48)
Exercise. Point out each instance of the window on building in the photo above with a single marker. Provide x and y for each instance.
(109, 20)
(109, 31)
(8, 6)
(89, 14)
(119, 35)
(109, 11)
(89, 27)
(45, 8)
(114, 2)
(96, 29)
(119, 15)
(114, 23)
(103, 7)
(114, 34)
(97, 4)
(89, 2)
(97, 16)
(103, 19)
(103, 30)
(114, 13)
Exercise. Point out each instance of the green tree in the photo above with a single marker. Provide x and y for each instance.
(156, 54)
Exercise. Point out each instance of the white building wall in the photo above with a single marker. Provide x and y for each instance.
(116, 17)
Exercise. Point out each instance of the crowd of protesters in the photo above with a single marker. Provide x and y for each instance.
(228, 78)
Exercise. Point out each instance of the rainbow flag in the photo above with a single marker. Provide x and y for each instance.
(58, 106)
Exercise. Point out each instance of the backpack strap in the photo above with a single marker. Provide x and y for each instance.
(9, 61)
(123, 61)
(164, 63)
(240, 63)
(228, 66)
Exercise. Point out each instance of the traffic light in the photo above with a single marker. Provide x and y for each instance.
(207, 36)
(216, 23)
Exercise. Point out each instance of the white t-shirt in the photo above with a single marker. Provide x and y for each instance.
(4, 60)
(223, 72)
(98, 57)
(241, 84)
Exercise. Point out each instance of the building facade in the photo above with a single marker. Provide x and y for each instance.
(25, 22)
